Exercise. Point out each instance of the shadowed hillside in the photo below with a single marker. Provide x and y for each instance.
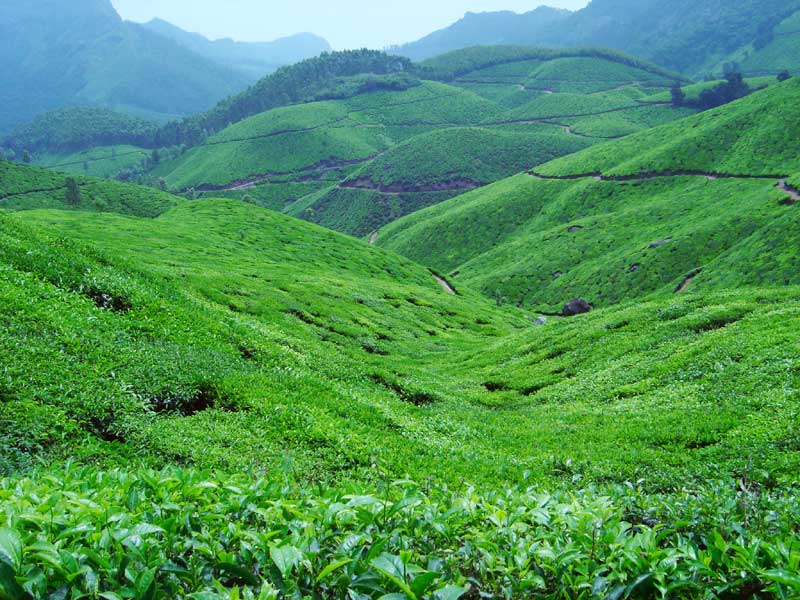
(696, 202)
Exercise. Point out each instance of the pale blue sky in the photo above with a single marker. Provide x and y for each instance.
(344, 23)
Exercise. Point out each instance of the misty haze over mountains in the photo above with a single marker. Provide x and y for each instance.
(55, 54)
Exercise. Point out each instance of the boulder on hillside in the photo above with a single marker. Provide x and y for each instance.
(579, 306)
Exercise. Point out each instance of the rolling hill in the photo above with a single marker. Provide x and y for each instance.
(697, 203)
(335, 376)
(356, 163)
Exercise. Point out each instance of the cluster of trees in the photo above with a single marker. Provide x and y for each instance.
(348, 87)
(733, 88)
(73, 193)
(10, 155)
(78, 128)
(139, 172)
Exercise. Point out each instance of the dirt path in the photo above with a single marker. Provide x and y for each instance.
(679, 173)
(256, 180)
(96, 160)
(687, 282)
(454, 185)
(445, 286)
(373, 238)
(784, 186)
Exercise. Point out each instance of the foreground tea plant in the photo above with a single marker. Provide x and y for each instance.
(83, 533)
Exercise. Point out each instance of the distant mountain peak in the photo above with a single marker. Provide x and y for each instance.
(255, 59)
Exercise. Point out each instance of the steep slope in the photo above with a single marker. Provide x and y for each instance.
(55, 54)
(774, 51)
(695, 203)
(255, 59)
(682, 35)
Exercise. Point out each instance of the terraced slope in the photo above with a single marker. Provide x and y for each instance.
(302, 138)
(358, 163)
(433, 167)
(691, 205)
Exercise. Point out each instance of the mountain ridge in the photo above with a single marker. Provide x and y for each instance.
(684, 36)
(81, 53)
(256, 59)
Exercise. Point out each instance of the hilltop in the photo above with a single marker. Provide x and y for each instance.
(697, 203)
(360, 155)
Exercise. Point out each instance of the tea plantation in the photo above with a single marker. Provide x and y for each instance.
(205, 396)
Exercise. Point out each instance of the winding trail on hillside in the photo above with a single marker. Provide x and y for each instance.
(397, 189)
(96, 160)
(445, 285)
(329, 124)
(688, 281)
(665, 174)
(793, 192)
(255, 180)
(306, 174)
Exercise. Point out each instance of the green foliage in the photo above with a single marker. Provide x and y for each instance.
(223, 336)
(310, 139)
(554, 106)
(733, 89)
(159, 535)
(102, 161)
(749, 137)
(390, 152)
(429, 168)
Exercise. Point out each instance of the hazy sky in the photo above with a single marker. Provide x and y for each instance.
(344, 23)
